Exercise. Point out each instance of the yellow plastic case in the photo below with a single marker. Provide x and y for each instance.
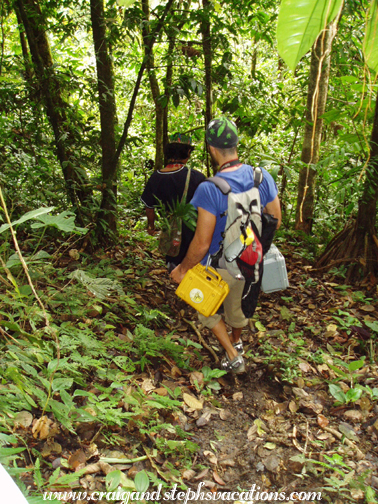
(204, 289)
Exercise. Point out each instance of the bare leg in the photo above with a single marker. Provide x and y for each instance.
(220, 331)
(235, 335)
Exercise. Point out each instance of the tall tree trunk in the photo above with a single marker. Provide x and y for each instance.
(130, 112)
(207, 53)
(155, 89)
(24, 47)
(168, 84)
(357, 244)
(107, 216)
(172, 36)
(316, 102)
(76, 180)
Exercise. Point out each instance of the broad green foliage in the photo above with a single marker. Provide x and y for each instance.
(34, 214)
(64, 221)
(299, 24)
(370, 45)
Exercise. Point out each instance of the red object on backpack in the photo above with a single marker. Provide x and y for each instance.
(250, 259)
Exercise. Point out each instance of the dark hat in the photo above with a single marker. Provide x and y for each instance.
(180, 138)
(222, 133)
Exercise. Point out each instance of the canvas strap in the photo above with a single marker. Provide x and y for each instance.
(183, 199)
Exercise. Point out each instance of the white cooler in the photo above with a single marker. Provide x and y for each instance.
(275, 274)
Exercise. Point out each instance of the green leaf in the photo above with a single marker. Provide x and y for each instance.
(338, 371)
(142, 481)
(112, 480)
(5, 452)
(299, 24)
(370, 496)
(372, 325)
(64, 222)
(353, 394)
(125, 3)
(34, 214)
(337, 393)
(370, 45)
(353, 366)
(259, 326)
(62, 384)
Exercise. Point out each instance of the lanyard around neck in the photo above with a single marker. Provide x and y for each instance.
(234, 162)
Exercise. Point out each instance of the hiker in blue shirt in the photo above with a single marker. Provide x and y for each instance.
(222, 139)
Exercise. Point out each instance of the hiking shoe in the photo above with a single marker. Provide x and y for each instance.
(239, 347)
(235, 365)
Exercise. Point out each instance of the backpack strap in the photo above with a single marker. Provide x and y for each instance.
(183, 198)
(221, 183)
(257, 176)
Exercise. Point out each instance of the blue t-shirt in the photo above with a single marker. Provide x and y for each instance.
(210, 198)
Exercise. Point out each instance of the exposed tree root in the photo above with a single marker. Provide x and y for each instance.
(356, 248)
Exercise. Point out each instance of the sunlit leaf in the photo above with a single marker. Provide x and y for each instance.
(299, 24)
(125, 3)
(370, 45)
(28, 216)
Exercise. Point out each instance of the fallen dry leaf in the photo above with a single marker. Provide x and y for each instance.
(227, 462)
(49, 448)
(196, 376)
(99, 466)
(225, 414)
(368, 308)
(24, 418)
(252, 433)
(297, 445)
(204, 419)
(147, 385)
(238, 396)
(161, 391)
(217, 478)
(77, 460)
(188, 474)
(192, 402)
(300, 393)
(211, 457)
(293, 407)
(202, 474)
(158, 271)
(322, 421)
(175, 372)
(310, 407)
(305, 367)
(365, 404)
(41, 427)
(354, 415)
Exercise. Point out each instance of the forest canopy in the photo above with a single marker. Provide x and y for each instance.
(90, 92)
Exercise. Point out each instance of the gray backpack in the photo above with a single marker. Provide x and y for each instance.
(241, 251)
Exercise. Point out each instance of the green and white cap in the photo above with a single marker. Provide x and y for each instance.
(222, 133)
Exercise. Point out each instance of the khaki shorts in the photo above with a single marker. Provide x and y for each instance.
(233, 314)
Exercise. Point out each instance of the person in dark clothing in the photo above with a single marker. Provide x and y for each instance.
(167, 185)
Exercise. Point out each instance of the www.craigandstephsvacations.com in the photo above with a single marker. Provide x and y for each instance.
(253, 495)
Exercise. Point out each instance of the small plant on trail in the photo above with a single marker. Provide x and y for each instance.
(343, 481)
(147, 345)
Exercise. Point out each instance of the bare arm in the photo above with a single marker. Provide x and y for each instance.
(274, 208)
(199, 245)
(150, 212)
